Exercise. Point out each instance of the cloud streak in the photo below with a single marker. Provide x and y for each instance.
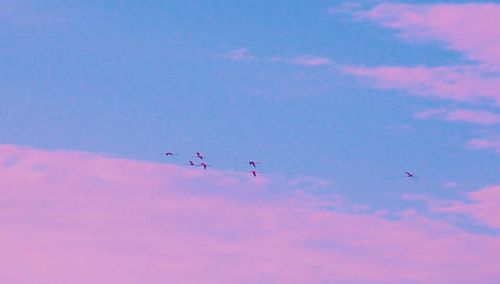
(480, 205)
(70, 217)
(242, 54)
(307, 60)
(455, 83)
(463, 28)
(466, 115)
(484, 144)
(466, 28)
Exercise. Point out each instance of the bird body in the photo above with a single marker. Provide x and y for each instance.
(253, 163)
(203, 165)
(410, 175)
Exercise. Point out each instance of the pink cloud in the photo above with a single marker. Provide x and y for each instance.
(429, 113)
(70, 217)
(457, 83)
(472, 116)
(466, 28)
(482, 206)
(307, 60)
(344, 7)
(485, 143)
(480, 117)
(240, 54)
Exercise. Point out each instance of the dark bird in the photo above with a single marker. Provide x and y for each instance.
(170, 154)
(254, 173)
(199, 155)
(191, 163)
(203, 165)
(410, 175)
(253, 163)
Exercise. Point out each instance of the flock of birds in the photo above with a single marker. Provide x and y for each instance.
(253, 171)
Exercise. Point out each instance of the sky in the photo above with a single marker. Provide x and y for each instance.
(336, 100)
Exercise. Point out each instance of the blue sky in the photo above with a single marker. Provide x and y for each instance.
(140, 77)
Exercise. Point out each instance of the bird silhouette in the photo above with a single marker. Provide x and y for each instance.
(203, 165)
(410, 175)
(253, 163)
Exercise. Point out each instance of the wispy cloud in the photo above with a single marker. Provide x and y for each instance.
(485, 144)
(480, 117)
(309, 60)
(463, 28)
(481, 205)
(430, 113)
(466, 115)
(240, 54)
(477, 38)
(456, 83)
(71, 217)
(344, 7)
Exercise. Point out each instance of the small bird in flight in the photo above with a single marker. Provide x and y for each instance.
(191, 163)
(170, 154)
(254, 173)
(199, 155)
(253, 163)
(203, 165)
(410, 175)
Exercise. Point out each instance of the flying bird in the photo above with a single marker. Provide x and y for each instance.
(203, 165)
(191, 163)
(254, 173)
(170, 154)
(199, 155)
(253, 163)
(410, 175)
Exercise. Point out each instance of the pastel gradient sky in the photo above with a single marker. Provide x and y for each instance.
(335, 99)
